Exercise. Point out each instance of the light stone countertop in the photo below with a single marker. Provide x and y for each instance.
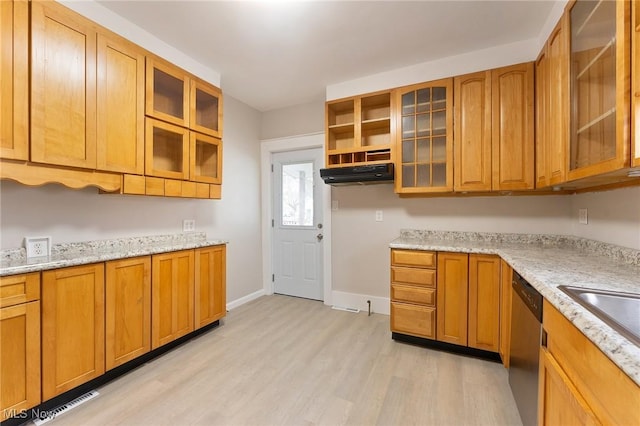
(14, 261)
(546, 262)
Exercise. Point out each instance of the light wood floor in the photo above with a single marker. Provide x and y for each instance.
(286, 361)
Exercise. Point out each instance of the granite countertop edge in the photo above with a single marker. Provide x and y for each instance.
(548, 264)
(73, 254)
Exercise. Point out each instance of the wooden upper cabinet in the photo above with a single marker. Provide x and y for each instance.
(205, 104)
(63, 87)
(635, 84)
(484, 302)
(14, 80)
(557, 95)
(210, 285)
(512, 128)
(167, 92)
(452, 298)
(128, 309)
(542, 118)
(172, 290)
(120, 105)
(424, 141)
(72, 327)
(600, 87)
(472, 132)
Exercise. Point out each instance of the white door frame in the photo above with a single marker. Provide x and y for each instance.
(267, 148)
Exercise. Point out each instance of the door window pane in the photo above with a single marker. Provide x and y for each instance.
(297, 194)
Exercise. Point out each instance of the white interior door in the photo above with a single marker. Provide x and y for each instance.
(297, 223)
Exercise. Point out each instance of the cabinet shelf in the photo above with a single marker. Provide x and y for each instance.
(591, 18)
(359, 157)
(596, 120)
(609, 45)
(377, 123)
(341, 128)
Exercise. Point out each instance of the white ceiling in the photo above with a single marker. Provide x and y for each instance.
(273, 54)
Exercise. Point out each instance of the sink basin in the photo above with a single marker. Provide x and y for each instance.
(620, 310)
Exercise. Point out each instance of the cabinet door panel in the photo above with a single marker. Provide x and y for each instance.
(63, 87)
(635, 83)
(205, 158)
(558, 102)
(172, 287)
(505, 312)
(512, 138)
(452, 298)
(19, 358)
(205, 108)
(120, 107)
(128, 310)
(542, 118)
(14, 79)
(484, 302)
(559, 401)
(210, 285)
(72, 327)
(472, 133)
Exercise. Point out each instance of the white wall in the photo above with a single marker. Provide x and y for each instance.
(613, 216)
(296, 120)
(360, 254)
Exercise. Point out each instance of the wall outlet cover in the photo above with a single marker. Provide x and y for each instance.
(583, 217)
(37, 246)
(188, 225)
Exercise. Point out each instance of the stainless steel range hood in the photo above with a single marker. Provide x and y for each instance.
(354, 175)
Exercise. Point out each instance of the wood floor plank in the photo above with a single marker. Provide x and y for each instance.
(286, 361)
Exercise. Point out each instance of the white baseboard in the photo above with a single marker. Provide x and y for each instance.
(245, 299)
(379, 305)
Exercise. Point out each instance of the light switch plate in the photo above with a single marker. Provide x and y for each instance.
(37, 246)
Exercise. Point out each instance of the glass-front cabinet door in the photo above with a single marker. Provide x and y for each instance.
(600, 79)
(424, 140)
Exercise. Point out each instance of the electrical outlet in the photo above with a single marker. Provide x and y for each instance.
(37, 246)
(188, 225)
(379, 216)
(582, 216)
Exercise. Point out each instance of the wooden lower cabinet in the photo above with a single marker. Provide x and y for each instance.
(578, 383)
(452, 297)
(72, 327)
(19, 358)
(128, 309)
(172, 290)
(484, 302)
(504, 348)
(210, 285)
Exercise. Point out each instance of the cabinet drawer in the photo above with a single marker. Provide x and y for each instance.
(412, 319)
(17, 289)
(415, 276)
(411, 294)
(413, 258)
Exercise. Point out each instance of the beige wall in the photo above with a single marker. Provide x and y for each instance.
(360, 254)
(292, 121)
(613, 216)
(71, 215)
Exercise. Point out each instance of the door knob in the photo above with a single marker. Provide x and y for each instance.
(319, 237)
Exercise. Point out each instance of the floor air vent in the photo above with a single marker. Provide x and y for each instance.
(341, 308)
(52, 414)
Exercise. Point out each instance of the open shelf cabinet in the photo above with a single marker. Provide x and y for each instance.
(359, 130)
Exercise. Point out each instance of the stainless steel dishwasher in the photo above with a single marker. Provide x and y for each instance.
(526, 334)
